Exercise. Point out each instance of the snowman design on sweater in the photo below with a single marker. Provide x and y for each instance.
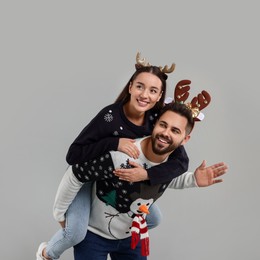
(114, 202)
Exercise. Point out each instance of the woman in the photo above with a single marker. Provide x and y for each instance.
(131, 116)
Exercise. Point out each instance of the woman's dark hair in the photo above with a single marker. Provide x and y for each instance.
(182, 110)
(124, 96)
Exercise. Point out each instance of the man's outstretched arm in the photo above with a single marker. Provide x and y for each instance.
(202, 177)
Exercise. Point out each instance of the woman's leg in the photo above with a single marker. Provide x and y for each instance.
(77, 218)
(155, 217)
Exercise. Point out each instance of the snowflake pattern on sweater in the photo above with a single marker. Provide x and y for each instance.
(100, 170)
(115, 202)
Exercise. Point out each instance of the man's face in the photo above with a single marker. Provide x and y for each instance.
(169, 133)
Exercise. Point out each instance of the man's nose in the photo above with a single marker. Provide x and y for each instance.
(166, 131)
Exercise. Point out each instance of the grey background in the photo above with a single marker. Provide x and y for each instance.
(62, 61)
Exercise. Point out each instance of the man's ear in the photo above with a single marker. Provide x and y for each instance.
(186, 139)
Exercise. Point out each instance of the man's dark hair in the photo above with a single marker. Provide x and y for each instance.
(182, 110)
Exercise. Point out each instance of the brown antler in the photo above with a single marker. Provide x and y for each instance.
(198, 103)
(201, 101)
(181, 92)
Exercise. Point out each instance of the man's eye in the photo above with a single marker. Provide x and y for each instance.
(175, 131)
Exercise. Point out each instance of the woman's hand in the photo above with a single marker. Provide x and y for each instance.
(135, 174)
(128, 146)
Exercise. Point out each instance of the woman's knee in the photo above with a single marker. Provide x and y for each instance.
(75, 235)
(154, 219)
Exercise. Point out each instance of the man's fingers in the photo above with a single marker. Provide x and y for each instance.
(217, 181)
(220, 171)
(218, 168)
(203, 164)
(217, 165)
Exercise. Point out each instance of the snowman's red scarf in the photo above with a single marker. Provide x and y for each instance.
(139, 231)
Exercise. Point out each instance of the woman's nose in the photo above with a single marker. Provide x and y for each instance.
(144, 93)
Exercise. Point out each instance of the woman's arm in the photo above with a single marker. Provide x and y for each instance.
(75, 176)
(177, 164)
(97, 169)
(103, 168)
(67, 191)
(79, 153)
(95, 139)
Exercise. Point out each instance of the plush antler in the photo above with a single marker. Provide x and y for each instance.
(198, 103)
(201, 101)
(165, 69)
(143, 63)
(181, 92)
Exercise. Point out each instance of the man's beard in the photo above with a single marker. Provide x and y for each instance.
(163, 149)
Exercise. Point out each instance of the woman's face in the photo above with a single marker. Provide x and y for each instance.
(145, 91)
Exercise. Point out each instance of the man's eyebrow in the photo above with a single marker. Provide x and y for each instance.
(173, 128)
(164, 122)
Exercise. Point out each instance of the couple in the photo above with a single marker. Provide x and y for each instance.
(114, 128)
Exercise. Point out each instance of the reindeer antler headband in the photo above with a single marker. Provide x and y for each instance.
(198, 103)
(143, 63)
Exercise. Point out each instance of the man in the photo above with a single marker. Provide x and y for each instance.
(117, 223)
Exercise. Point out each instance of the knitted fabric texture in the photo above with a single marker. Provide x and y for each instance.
(139, 232)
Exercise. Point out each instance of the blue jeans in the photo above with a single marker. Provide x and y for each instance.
(95, 247)
(77, 218)
(155, 217)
